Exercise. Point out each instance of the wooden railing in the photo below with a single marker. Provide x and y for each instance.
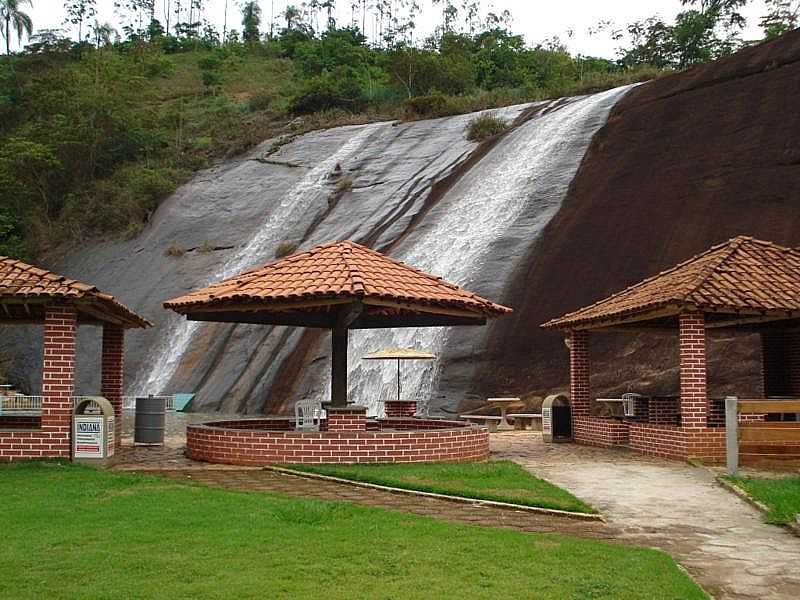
(760, 439)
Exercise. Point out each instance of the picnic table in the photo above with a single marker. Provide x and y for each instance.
(503, 404)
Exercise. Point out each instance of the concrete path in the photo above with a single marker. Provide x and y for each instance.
(718, 538)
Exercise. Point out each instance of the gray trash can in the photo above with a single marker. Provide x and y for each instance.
(149, 421)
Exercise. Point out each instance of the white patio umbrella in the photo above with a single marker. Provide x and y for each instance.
(399, 354)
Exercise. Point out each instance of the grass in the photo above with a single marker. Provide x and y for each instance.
(501, 480)
(780, 495)
(485, 126)
(80, 533)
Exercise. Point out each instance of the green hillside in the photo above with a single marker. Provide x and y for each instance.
(93, 134)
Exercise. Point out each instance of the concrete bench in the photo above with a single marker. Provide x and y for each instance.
(522, 420)
(490, 421)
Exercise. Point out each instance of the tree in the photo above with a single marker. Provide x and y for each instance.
(102, 33)
(78, 11)
(727, 10)
(12, 16)
(251, 20)
(783, 16)
(291, 15)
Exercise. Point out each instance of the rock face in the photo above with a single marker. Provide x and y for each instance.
(569, 206)
(684, 162)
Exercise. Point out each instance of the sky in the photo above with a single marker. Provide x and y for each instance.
(537, 20)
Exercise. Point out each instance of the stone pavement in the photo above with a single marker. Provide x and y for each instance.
(720, 539)
(259, 480)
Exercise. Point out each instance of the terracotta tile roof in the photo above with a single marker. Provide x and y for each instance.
(335, 271)
(21, 281)
(743, 275)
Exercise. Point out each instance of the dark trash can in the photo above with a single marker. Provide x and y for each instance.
(149, 421)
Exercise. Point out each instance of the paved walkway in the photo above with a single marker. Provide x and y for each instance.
(474, 514)
(718, 538)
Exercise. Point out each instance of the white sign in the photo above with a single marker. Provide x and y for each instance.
(88, 436)
(547, 421)
(110, 436)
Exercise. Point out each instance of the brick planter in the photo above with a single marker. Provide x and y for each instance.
(274, 441)
(400, 408)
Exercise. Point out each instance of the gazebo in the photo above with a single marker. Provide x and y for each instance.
(30, 295)
(338, 286)
(744, 284)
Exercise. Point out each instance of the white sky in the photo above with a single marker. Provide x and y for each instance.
(537, 20)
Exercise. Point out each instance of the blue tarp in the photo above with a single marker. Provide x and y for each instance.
(181, 400)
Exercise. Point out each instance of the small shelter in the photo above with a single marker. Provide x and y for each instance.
(744, 284)
(337, 286)
(30, 295)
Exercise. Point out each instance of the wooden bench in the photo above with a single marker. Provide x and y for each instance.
(490, 421)
(522, 420)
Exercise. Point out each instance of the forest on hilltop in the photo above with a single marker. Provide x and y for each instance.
(99, 122)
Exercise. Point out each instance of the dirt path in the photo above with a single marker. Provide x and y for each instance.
(720, 539)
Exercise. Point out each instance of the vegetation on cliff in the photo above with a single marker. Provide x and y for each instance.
(95, 132)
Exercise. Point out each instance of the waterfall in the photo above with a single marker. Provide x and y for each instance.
(526, 175)
(292, 207)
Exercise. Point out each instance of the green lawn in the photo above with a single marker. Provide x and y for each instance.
(78, 533)
(781, 496)
(500, 480)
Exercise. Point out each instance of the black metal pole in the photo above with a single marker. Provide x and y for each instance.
(339, 336)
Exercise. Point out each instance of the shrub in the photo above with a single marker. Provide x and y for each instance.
(175, 250)
(433, 105)
(345, 184)
(340, 89)
(260, 101)
(285, 249)
(485, 126)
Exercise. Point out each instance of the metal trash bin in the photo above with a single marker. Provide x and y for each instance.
(150, 420)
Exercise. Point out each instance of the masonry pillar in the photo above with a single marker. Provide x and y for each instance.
(694, 396)
(579, 391)
(58, 376)
(112, 374)
(347, 418)
(400, 408)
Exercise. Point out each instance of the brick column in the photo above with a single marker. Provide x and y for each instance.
(347, 418)
(694, 397)
(112, 373)
(579, 373)
(400, 408)
(58, 376)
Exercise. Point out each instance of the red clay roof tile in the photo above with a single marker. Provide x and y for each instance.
(335, 271)
(19, 280)
(743, 274)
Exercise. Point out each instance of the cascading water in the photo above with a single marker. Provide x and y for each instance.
(312, 189)
(516, 178)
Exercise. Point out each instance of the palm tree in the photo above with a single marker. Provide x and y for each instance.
(292, 15)
(102, 33)
(12, 15)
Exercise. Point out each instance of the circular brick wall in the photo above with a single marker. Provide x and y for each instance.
(274, 441)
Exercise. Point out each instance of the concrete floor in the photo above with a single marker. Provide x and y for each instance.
(720, 539)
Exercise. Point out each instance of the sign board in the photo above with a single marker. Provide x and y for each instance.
(109, 436)
(547, 421)
(88, 436)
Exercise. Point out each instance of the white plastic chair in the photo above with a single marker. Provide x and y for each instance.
(307, 415)
(629, 403)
